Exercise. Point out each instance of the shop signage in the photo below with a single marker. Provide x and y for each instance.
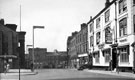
(101, 46)
(123, 40)
(108, 35)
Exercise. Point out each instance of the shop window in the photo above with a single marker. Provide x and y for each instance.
(92, 27)
(97, 57)
(98, 22)
(91, 41)
(97, 38)
(107, 16)
(123, 27)
(124, 54)
(122, 6)
(107, 56)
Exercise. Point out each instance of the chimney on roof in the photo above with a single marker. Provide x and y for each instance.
(11, 26)
(107, 3)
(2, 21)
(90, 17)
(83, 25)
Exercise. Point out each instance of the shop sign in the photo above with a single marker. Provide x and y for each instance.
(123, 40)
(108, 36)
(100, 46)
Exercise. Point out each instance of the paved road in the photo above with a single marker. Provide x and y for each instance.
(69, 74)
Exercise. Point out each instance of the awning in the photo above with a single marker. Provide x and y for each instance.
(82, 55)
(8, 56)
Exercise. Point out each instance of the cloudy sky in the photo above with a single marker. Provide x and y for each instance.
(60, 18)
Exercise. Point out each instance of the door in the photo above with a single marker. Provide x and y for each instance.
(114, 58)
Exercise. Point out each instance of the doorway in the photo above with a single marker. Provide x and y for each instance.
(114, 58)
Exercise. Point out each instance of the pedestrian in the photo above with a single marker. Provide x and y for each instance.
(32, 67)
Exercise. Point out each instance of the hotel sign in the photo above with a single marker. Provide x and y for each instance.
(108, 35)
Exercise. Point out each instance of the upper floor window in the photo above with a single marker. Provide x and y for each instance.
(92, 27)
(97, 37)
(107, 16)
(122, 6)
(98, 22)
(134, 2)
(123, 27)
(91, 41)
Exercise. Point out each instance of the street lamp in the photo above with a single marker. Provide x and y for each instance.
(35, 27)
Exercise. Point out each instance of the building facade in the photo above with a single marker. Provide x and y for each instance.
(78, 47)
(72, 50)
(9, 49)
(111, 34)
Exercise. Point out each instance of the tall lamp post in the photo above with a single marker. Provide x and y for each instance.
(35, 27)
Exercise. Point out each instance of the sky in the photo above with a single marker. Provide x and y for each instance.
(59, 17)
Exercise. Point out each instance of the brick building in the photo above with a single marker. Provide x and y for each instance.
(44, 59)
(9, 50)
(77, 46)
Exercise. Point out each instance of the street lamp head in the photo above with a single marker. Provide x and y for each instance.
(38, 27)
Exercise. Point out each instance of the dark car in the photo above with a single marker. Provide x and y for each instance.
(85, 66)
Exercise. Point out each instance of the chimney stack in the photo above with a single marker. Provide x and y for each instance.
(107, 3)
(90, 17)
(83, 25)
(2, 21)
(11, 26)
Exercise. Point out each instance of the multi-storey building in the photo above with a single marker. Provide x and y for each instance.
(9, 48)
(72, 50)
(77, 46)
(82, 44)
(111, 34)
(44, 59)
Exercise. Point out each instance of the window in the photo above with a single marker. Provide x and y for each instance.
(97, 38)
(98, 22)
(134, 22)
(133, 2)
(122, 6)
(124, 54)
(0, 42)
(123, 27)
(91, 41)
(107, 15)
(107, 56)
(97, 57)
(92, 27)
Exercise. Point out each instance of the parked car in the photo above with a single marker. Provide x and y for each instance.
(85, 66)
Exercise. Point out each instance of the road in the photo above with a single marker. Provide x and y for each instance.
(69, 74)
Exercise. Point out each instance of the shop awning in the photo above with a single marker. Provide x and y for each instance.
(82, 55)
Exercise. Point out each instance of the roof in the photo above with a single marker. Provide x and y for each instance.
(102, 11)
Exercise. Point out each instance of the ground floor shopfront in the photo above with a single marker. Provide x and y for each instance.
(115, 56)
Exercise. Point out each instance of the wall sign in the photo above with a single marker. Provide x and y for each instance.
(108, 35)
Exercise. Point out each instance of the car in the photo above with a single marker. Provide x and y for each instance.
(85, 66)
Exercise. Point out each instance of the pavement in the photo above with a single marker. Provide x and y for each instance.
(15, 72)
(124, 74)
(22, 72)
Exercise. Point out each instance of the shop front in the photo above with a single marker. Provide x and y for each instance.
(83, 59)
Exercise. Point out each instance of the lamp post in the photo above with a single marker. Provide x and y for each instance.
(34, 27)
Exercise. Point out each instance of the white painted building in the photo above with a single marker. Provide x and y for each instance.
(111, 34)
